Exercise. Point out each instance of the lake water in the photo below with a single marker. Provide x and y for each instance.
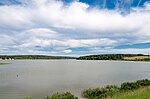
(39, 78)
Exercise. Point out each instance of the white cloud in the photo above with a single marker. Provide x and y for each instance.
(71, 43)
(122, 51)
(75, 15)
(54, 25)
(90, 42)
(67, 51)
(40, 32)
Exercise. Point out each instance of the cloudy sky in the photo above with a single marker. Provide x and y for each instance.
(74, 27)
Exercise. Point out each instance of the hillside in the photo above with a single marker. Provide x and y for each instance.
(5, 57)
(128, 57)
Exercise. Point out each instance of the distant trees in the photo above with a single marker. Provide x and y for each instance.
(90, 57)
(34, 57)
(5, 57)
(112, 57)
(103, 57)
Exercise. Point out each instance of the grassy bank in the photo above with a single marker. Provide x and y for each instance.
(112, 90)
(128, 90)
(3, 63)
(141, 93)
(124, 57)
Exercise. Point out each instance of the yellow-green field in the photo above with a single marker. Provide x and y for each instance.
(136, 57)
(3, 63)
(142, 93)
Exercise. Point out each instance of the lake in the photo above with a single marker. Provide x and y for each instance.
(39, 78)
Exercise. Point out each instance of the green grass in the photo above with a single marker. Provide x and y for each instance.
(29, 98)
(3, 63)
(141, 93)
(127, 88)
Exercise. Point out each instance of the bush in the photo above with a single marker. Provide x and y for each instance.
(144, 82)
(66, 95)
(129, 86)
(135, 85)
(110, 90)
(99, 93)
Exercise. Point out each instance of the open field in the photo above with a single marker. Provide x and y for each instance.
(136, 57)
(142, 93)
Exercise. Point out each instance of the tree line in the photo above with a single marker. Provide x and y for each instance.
(3, 57)
(110, 57)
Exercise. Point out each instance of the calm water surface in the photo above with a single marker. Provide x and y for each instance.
(39, 78)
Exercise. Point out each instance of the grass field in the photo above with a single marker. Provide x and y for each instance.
(3, 63)
(142, 93)
(136, 57)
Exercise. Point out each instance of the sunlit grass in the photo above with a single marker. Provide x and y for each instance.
(127, 89)
(141, 93)
(136, 57)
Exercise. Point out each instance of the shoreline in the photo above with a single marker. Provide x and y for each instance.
(78, 60)
(127, 90)
(4, 63)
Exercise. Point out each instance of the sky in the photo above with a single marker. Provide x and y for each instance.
(74, 27)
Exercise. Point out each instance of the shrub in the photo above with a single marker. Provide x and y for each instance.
(66, 95)
(110, 90)
(129, 86)
(144, 82)
(99, 93)
(135, 85)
